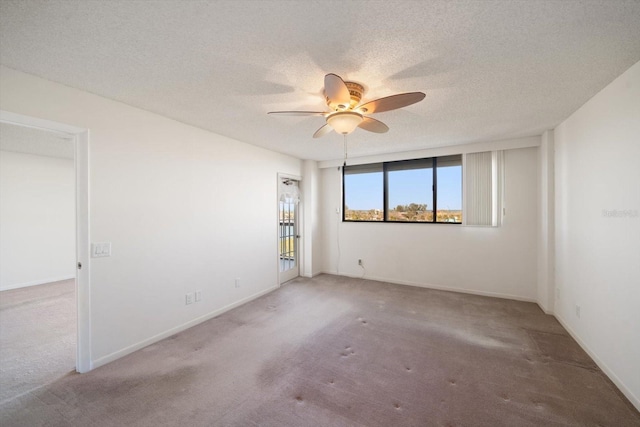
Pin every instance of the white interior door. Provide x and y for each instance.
(288, 237)
(81, 155)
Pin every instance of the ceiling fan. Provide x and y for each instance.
(343, 98)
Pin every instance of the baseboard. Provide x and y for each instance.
(545, 307)
(36, 282)
(311, 276)
(635, 401)
(549, 312)
(144, 343)
(437, 287)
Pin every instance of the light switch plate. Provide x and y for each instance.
(100, 249)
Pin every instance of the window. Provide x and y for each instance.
(363, 192)
(449, 196)
(421, 190)
(410, 191)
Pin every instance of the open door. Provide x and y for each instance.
(80, 138)
(288, 237)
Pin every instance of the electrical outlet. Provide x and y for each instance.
(198, 296)
(578, 311)
(359, 262)
(188, 298)
(237, 282)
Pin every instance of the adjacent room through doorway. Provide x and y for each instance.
(38, 308)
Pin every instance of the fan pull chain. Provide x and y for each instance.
(345, 149)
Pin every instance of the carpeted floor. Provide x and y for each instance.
(37, 336)
(332, 351)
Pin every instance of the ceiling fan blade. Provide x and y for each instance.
(336, 91)
(391, 102)
(373, 125)
(298, 113)
(323, 131)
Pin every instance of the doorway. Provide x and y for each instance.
(78, 255)
(288, 226)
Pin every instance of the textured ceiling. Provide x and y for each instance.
(35, 141)
(490, 69)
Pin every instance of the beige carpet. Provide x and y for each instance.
(332, 351)
(37, 336)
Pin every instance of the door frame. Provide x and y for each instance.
(80, 138)
(297, 178)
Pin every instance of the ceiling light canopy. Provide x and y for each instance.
(344, 122)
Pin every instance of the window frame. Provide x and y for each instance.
(385, 190)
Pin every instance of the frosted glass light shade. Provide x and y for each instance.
(344, 122)
(289, 191)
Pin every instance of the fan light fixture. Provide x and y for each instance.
(343, 99)
(344, 122)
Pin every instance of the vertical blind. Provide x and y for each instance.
(483, 188)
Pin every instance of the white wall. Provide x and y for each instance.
(490, 261)
(546, 242)
(598, 228)
(37, 219)
(311, 232)
(184, 209)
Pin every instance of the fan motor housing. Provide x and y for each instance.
(355, 92)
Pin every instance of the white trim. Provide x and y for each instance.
(546, 311)
(83, 249)
(80, 138)
(36, 123)
(158, 337)
(437, 287)
(635, 401)
(507, 144)
(36, 282)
